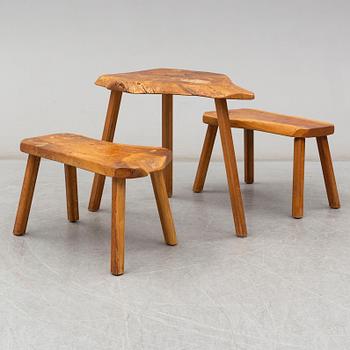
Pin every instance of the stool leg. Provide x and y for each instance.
(298, 177)
(164, 210)
(108, 135)
(248, 156)
(328, 173)
(71, 192)
(118, 226)
(26, 197)
(205, 158)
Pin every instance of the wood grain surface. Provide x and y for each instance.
(274, 123)
(105, 158)
(170, 81)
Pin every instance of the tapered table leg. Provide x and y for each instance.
(231, 167)
(167, 138)
(108, 135)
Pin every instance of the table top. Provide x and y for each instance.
(175, 82)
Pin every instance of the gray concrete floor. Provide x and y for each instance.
(286, 286)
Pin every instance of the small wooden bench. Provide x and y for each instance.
(296, 127)
(118, 161)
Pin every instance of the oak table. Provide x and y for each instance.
(169, 82)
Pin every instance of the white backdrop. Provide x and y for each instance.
(293, 54)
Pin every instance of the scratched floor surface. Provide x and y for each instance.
(286, 286)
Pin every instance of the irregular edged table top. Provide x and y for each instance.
(105, 158)
(274, 123)
(175, 82)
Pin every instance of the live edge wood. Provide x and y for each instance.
(274, 123)
(108, 135)
(105, 158)
(168, 81)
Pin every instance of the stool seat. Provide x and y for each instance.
(274, 123)
(101, 157)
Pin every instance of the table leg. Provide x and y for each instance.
(108, 135)
(167, 138)
(231, 167)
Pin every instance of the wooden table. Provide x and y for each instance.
(169, 82)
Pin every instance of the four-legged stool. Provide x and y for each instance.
(299, 128)
(120, 162)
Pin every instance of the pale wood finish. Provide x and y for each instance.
(248, 156)
(328, 173)
(167, 138)
(108, 135)
(26, 197)
(118, 226)
(231, 167)
(71, 193)
(273, 123)
(205, 158)
(298, 178)
(105, 158)
(164, 210)
(168, 81)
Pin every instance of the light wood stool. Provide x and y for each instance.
(297, 127)
(120, 162)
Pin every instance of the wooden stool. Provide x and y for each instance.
(299, 128)
(118, 161)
